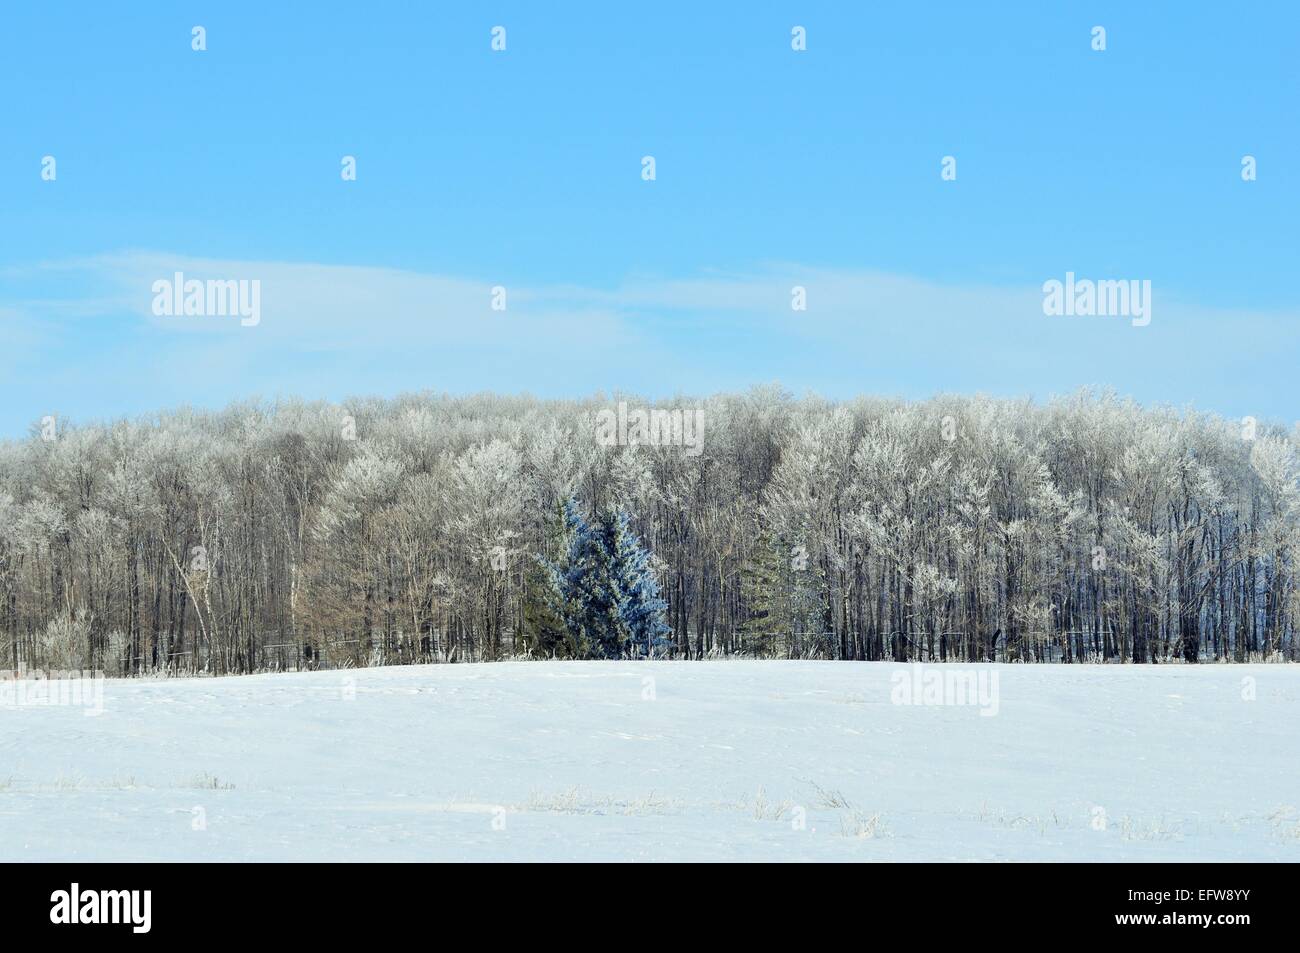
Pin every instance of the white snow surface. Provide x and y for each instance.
(659, 761)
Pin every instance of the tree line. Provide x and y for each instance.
(435, 528)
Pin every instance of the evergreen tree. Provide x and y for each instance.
(643, 609)
(609, 597)
(764, 591)
(782, 592)
(545, 633)
(588, 589)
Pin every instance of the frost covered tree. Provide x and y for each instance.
(292, 534)
(642, 610)
(545, 633)
(608, 595)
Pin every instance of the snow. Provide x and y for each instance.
(662, 761)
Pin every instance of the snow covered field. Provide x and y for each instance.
(662, 761)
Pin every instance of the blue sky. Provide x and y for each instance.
(523, 169)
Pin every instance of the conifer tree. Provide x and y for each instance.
(544, 629)
(761, 587)
(643, 609)
(609, 597)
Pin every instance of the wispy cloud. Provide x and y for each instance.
(90, 342)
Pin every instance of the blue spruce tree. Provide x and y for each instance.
(643, 609)
(609, 597)
(589, 589)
